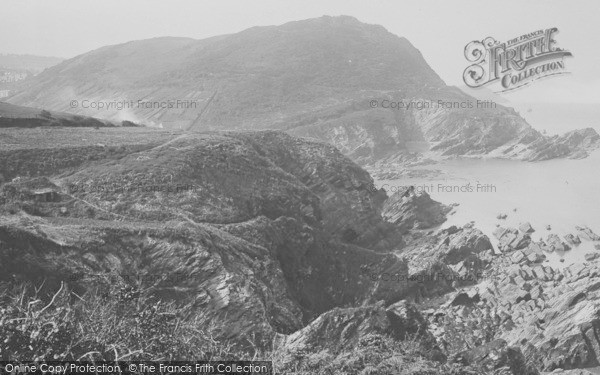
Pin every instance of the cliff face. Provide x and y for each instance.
(272, 242)
(260, 232)
(330, 78)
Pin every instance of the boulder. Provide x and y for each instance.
(557, 324)
(572, 239)
(554, 242)
(536, 257)
(521, 241)
(406, 320)
(571, 334)
(587, 233)
(494, 356)
(409, 209)
(508, 237)
(526, 228)
(342, 333)
(517, 257)
(592, 256)
(452, 257)
(339, 329)
(499, 231)
(535, 247)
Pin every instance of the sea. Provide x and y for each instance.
(554, 196)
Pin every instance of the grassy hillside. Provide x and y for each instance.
(27, 117)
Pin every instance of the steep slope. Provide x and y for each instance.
(254, 240)
(244, 226)
(331, 78)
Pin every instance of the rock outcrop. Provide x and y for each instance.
(414, 210)
(275, 240)
(261, 231)
(372, 338)
(447, 259)
(588, 234)
(496, 356)
(550, 314)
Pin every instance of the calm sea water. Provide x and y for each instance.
(559, 193)
(557, 118)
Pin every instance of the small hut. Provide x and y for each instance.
(45, 195)
(39, 189)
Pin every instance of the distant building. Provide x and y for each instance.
(4, 93)
(38, 189)
(45, 195)
(12, 76)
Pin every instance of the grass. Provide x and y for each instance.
(122, 322)
(44, 138)
(44, 152)
(112, 322)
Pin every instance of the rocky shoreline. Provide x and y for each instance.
(551, 314)
(284, 247)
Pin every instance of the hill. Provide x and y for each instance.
(253, 250)
(32, 63)
(27, 117)
(331, 78)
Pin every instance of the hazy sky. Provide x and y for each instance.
(439, 29)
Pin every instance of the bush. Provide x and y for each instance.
(112, 322)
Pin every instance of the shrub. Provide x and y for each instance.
(111, 322)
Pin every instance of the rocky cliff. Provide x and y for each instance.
(259, 232)
(248, 240)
